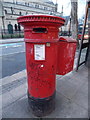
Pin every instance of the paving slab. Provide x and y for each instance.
(7, 99)
(22, 90)
(20, 74)
(7, 80)
(67, 89)
(13, 84)
(19, 109)
(81, 99)
(66, 108)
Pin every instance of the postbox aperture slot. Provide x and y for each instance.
(40, 30)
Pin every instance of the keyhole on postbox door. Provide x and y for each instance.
(39, 30)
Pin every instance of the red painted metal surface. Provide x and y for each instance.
(51, 23)
(41, 30)
(66, 54)
(41, 74)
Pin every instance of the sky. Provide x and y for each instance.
(67, 7)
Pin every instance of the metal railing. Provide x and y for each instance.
(65, 33)
(4, 34)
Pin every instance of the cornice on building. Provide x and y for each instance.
(16, 10)
(23, 3)
(30, 8)
(20, 5)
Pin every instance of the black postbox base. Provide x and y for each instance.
(41, 107)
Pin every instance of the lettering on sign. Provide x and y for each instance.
(39, 52)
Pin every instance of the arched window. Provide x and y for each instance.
(20, 13)
(26, 13)
(45, 8)
(15, 26)
(5, 11)
(11, 10)
(36, 6)
(25, 3)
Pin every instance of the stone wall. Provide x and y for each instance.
(13, 9)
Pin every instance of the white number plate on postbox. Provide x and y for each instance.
(39, 52)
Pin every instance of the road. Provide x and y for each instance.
(12, 58)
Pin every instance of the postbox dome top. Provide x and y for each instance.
(41, 19)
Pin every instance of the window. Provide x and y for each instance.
(53, 9)
(36, 6)
(11, 10)
(26, 13)
(45, 8)
(5, 11)
(25, 3)
(20, 13)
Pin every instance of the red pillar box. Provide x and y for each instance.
(41, 37)
(66, 54)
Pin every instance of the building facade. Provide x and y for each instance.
(12, 9)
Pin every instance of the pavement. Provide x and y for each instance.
(14, 40)
(71, 95)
